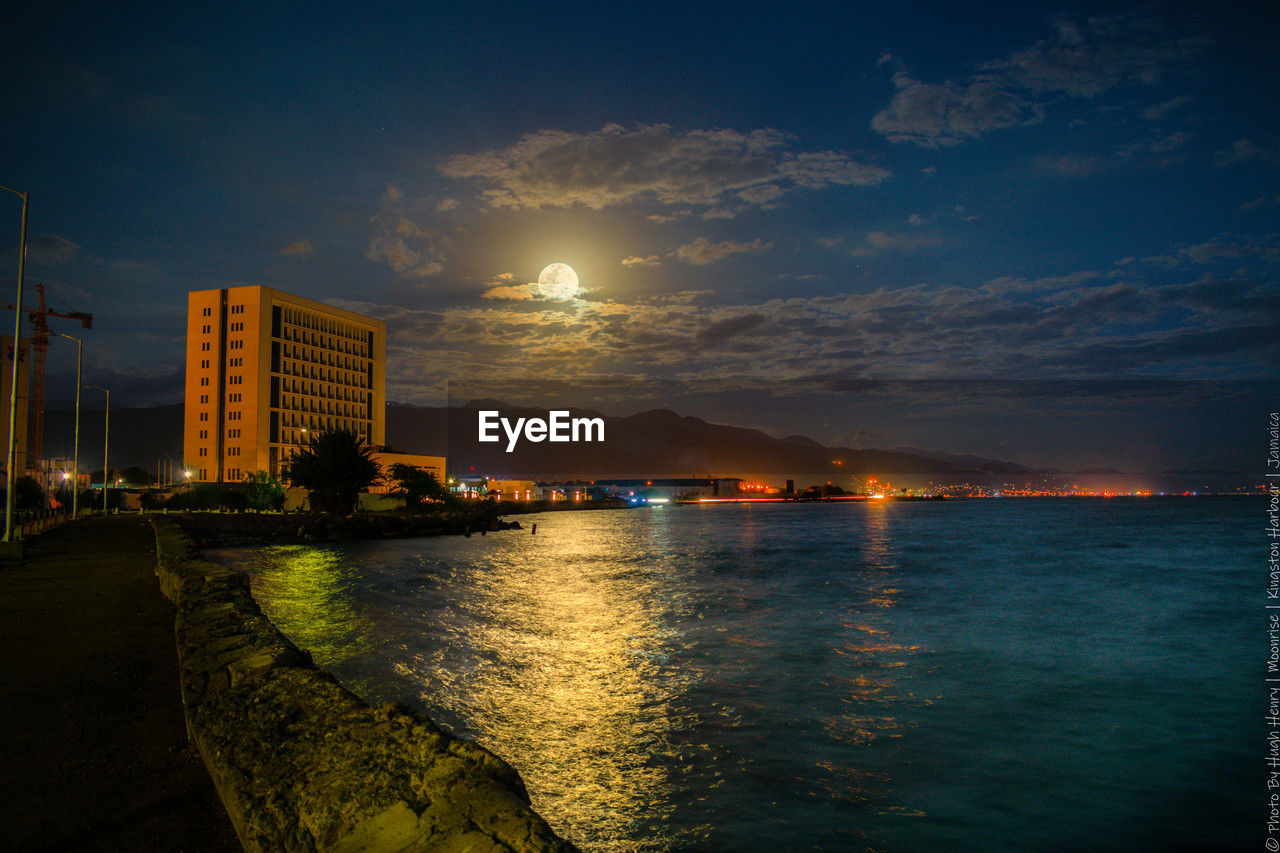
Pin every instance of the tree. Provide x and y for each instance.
(27, 494)
(262, 491)
(334, 467)
(417, 485)
(194, 498)
(136, 476)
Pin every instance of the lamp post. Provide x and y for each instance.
(13, 388)
(75, 453)
(106, 437)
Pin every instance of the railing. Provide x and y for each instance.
(36, 521)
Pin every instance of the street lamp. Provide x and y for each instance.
(106, 437)
(75, 458)
(13, 388)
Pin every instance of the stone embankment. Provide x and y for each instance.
(300, 762)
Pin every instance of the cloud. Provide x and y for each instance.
(134, 385)
(652, 163)
(1082, 324)
(762, 194)
(395, 253)
(879, 241)
(510, 291)
(720, 331)
(1233, 248)
(935, 115)
(1157, 145)
(410, 249)
(1260, 201)
(1244, 151)
(646, 261)
(298, 247)
(699, 252)
(501, 287)
(1157, 112)
(702, 251)
(1082, 60)
(51, 250)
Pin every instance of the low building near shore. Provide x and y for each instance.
(387, 457)
(512, 490)
(673, 488)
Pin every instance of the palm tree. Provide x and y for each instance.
(334, 467)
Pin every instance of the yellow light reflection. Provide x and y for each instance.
(303, 590)
(569, 683)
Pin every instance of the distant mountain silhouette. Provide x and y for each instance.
(655, 443)
(139, 437)
(658, 443)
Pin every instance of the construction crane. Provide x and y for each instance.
(39, 346)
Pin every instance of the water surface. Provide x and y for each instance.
(985, 675)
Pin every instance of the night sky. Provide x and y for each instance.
(754, 195)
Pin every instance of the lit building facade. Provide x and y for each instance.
(266, 369)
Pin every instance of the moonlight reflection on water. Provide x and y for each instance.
(893, 676)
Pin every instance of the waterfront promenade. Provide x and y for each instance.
(92, 736)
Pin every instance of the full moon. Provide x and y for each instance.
(558, 281)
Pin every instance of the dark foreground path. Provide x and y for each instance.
(93, 747)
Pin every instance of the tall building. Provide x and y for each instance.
(265, 369)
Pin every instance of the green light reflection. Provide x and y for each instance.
(306, 591)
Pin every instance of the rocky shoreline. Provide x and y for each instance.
(301, 763)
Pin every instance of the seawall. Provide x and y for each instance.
(303, 764)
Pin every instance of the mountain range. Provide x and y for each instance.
(655, 443)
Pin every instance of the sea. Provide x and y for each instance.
(996, 674)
